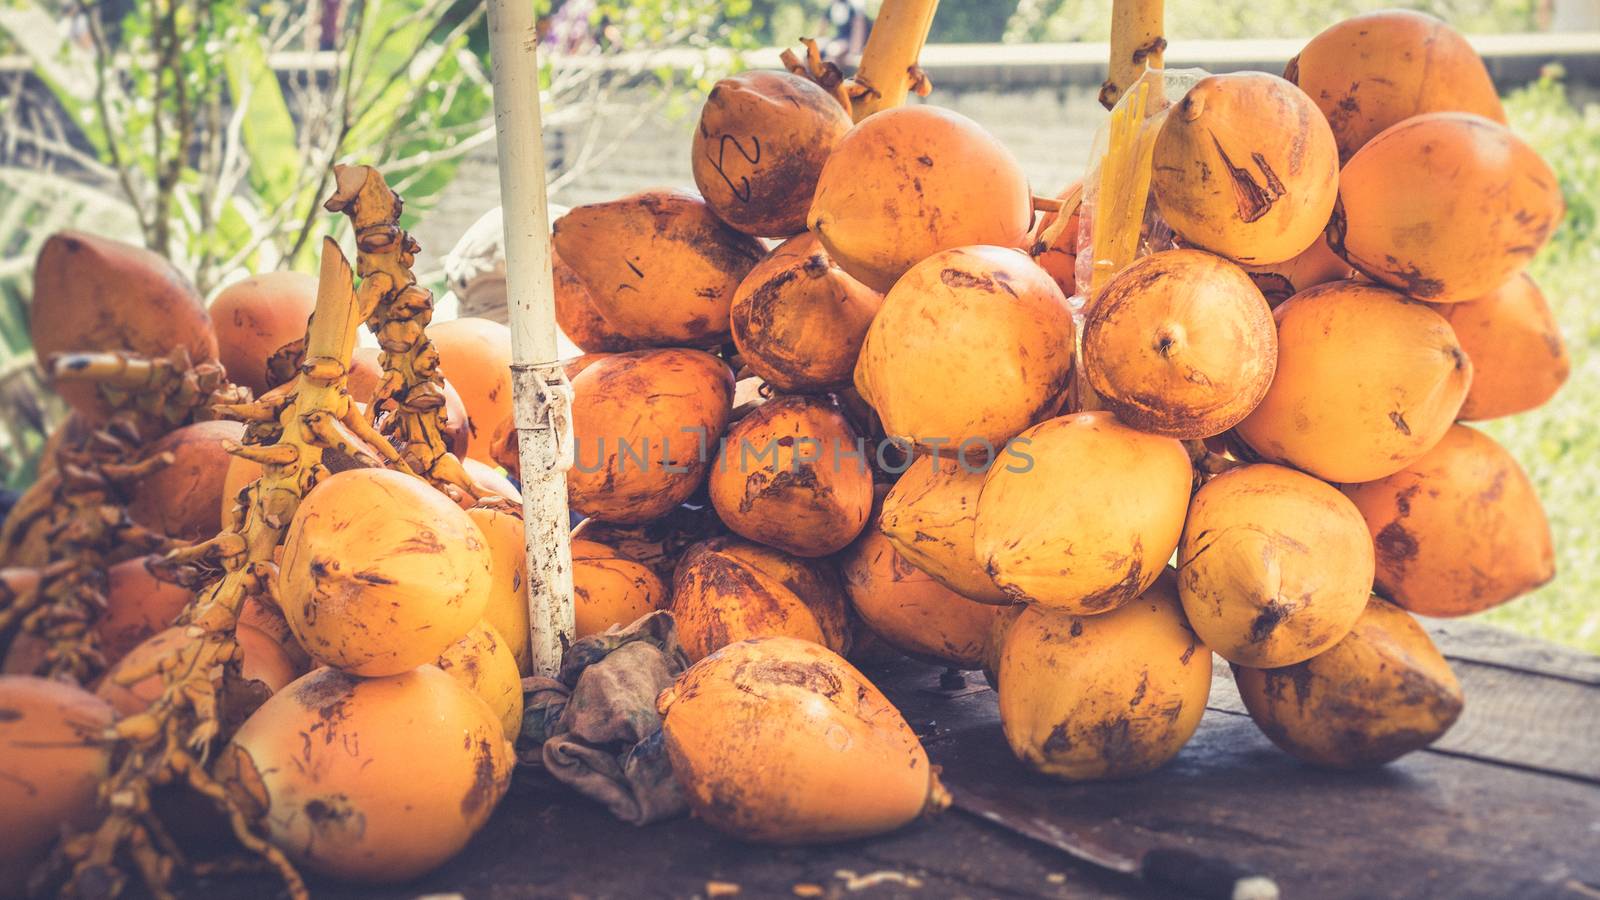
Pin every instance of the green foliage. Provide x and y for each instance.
(971, 21)
(1558, 444)
(222, 159)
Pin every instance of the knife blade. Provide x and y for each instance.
(1173, 868)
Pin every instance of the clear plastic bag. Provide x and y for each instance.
(1094, 260)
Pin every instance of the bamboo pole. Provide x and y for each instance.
(542, 393)
(1138, 42)
(888, 68)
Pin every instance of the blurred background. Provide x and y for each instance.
(207, 130)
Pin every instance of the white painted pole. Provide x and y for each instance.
(542, 394)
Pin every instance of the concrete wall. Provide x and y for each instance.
(1049, 130)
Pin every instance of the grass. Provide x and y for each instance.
(1558, 443)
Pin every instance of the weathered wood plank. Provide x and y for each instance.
(1544, 723)
(1427, 826)
(1513, 717)
(1430, 825)
(1477, 642)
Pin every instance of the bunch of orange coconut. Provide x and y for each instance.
(839, 403)
(388, 668)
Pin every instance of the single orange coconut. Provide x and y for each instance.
(1459, 530)
(1367, 381)
(760, 146)
(908, 182)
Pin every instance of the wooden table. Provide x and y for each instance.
(1506, 805)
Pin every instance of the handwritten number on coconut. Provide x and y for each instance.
(740, 194)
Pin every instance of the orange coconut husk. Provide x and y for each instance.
(910, 610)
(817, 582)
(1459, 530)
(483, 662)
(645, 424)
(1367, 382)
(92, 293)
(1383, 691)
(658, 543)
(475, 355)
(1086, 517)
(799, 320)
(1519, 359)
(138, 606)
(609, 589)
(577, 316)
(366, 371)
(971, 347)
(1053, 243)
(420, 762)
(1246, 167)
(793, 475)
(54, 764)
(908, 182)
(1444, 206)
(929, 517)
(760, 146)
(660, 267)
(1086, 698)
(185, 499)
(1181, 343)
(506, 609)
(1373, 70)
(821, 754)
(270, 621)
(1317, 265)
(488, 480)
(256, 317)
(1274, 567)
(727, 590)
(264, 662)
(381, 572)
(997, 637)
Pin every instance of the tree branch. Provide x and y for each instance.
(102, 56)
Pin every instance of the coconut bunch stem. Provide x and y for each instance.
(203, 692)
(159, 393)
(888, 71)
(84, 514)
(1138, 43)
(86, 520)
(408, 407)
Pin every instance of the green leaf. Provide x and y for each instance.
(65, 68)
(268, 129)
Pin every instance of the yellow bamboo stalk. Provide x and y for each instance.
(888, 69)
(1138, 42)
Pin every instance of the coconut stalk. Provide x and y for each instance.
(294, 433)
(202, 688)
(82, 507)
(543, 395)
(889, 70)
(1138, 42)
(408, 406)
